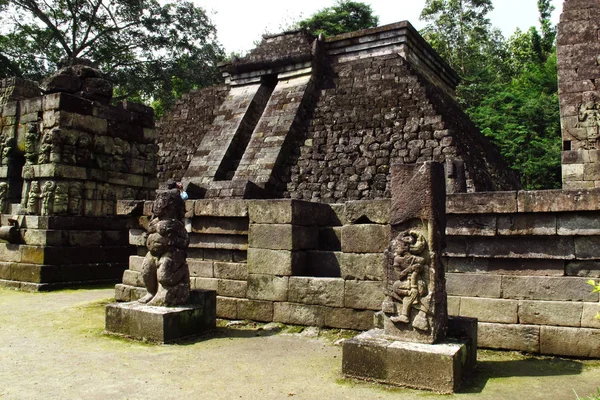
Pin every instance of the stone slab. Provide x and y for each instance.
(509, 336)
(163, 324)
(436, 367)
(573, 342)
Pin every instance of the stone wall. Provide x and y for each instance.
(578, 53)
(183, 127)
(377, 111)
(517, 261)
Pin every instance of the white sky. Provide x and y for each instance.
(241, 22)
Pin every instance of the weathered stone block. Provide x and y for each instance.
(276, 262)
(453, 305)
(38, 237)
(227, 307)
(122, 293)
(547, 288)
(364, 295)
(85, 238)
(578, 223)
(587, 247)
(368, 211)
(490, 310)
(558, 200)
(235, 271)
(365, 238)
(323, 264)
(204, 283)
(527, 224)
(201, 269)
(221, 208)
(282, 237)
(573, 342)
(255, 310)
(481, 203)
(509, 337)
(366, 266)
(348, 318)
(230, 288)
(267, 287)
(320, 291)
(561, 313)
(588, 317)
(474, 285)
(163, 324)
(299, 314)
(220, 225)
(288, 212)
(371, 356)
(10, 252)
(480, 225)
(547, 247)
(137, 237)
(132, 278)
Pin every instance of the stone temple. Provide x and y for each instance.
(289, 164)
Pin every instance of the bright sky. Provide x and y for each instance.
(241, 22)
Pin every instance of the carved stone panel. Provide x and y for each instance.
(414, 284)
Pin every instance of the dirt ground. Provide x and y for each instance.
(52, 346)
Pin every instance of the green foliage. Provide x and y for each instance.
(151, 51)
(509, 87)
(344, 16)
(592, 397)
(595, 289)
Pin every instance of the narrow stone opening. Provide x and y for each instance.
(242, 136)
(567, 145)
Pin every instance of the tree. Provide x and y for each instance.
(344, 16)
(150, 51)
(459, 30)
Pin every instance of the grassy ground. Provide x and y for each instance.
(53, 346)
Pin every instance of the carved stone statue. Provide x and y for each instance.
(3, 197)
(48, 197)
(61, 198)
(84, 144)
(589, 118)
(107, 195)
(409, 287)
(164, 269)
(33, 198)
(47, 151)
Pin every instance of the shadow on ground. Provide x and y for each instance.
(528, 366)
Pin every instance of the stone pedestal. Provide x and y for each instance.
(163, 324)
(374, 356)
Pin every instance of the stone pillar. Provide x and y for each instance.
(578, 51)
(411, 350)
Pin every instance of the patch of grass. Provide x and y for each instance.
(591, 397)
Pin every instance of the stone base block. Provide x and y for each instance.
(437, 367)
(163, 324)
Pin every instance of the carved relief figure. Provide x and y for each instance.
(3, 197)
(83, 152)
(75, 198)
(69, 139)
(31, 140)
(61, 198)
(33, 198)
(409, 287)
(107, 195)
(164, 269)
(8, 146)
(48, 197)
(46, 147)
(589, 118)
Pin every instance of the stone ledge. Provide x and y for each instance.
(436, 367)
(163, 324)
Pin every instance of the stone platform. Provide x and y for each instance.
(163, 324)
(437, 367)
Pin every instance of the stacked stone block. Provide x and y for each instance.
(519, 262)
(578, 53)
(64, 251)
(15, 89)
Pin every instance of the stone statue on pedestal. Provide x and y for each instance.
(164, 269)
